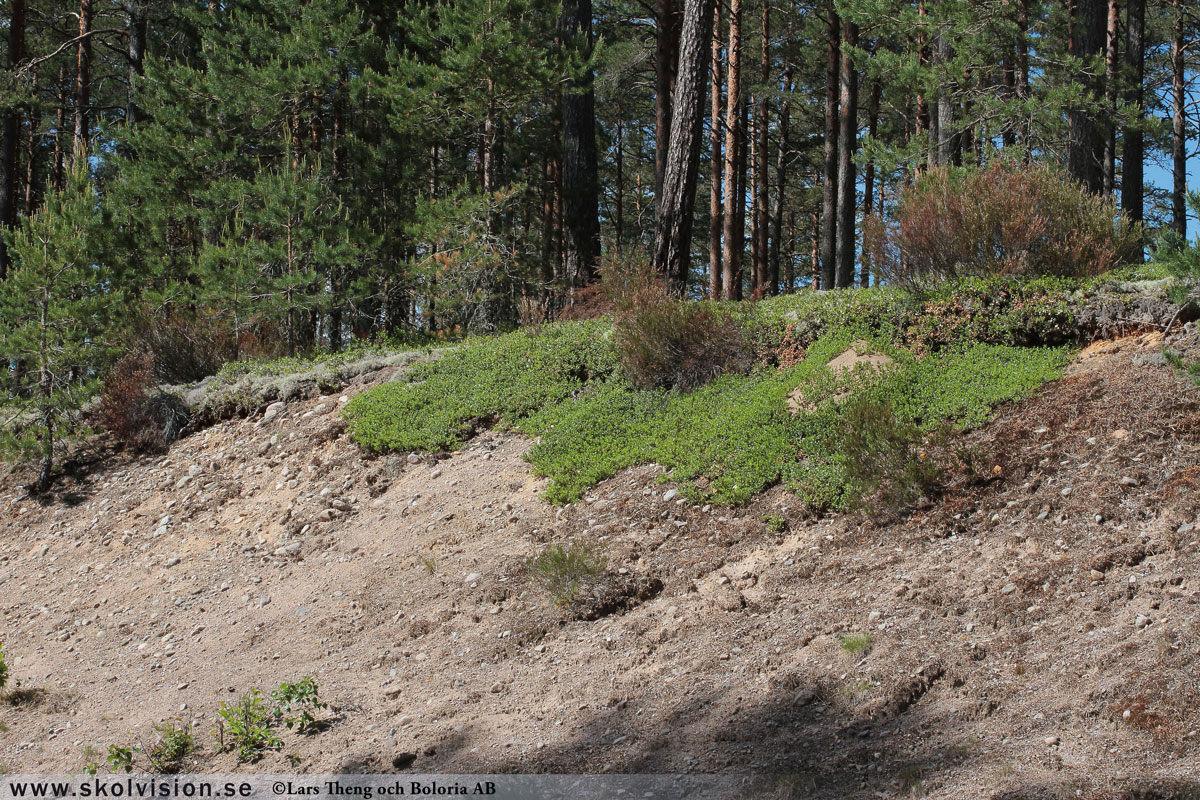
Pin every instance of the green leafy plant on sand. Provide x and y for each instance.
(562, 569)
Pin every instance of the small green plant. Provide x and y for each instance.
(855, 643)
(174, 742)
(296, 702)
(245, 727)
(886, 466)
(561, 569)
(91, 768)
(3, 670)
(775, 523)
(120, 759)
(429, 563)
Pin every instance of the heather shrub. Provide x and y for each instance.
(1025, 221)
(135, 411)
(662, 342)
(186, 347)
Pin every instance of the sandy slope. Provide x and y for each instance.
(1032, 635)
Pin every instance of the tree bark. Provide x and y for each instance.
(1132, 180)
(665, 64)
(1086, 139)
(137, 56)
(869, 173)
(714, 196)
(732, 254)
(1022, 70)
(672, 245)
(829, 193)
(1109, 170)
(847, 147)
(11, 134)
(781, 167)
(946, 140)
(581, 181)
(83, 79)
(1178, 121)
(762, 190)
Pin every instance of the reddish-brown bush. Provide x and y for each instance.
(1026, 221)
(663, 342)
(135, 411)
(186, 347)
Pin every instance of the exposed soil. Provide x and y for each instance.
(1032, 632)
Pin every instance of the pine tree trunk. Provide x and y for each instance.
(581, 181)
(1178, 121)
(765, 286)
(60, 126)
(781, 165)
(869, 173)
(829, 194)
(1086, 138)
(1022, 70)
(619, 152)
(672, 246)
(730, 283)
(847, 147)
(665, 58)
(714, 194)
(743, 173)
(11, 134)
(946, 140)
(137, 54)
(1132, 180)
(83, 78)
(1109, 172)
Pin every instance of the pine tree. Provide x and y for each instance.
(57, 304)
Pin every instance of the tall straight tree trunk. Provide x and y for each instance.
(665, 58)
(815, 255)
(714, 195)
(1008, 85)
(733, 203)
(847, 147)
(1132, 180)
(1178, 129)
(672, 245)
(1109, 171)
(137, 56)
(1022, 70)
(548, 249)
(581, 180)
(829, 172)
(83, 78)
(743, 173)
(1086, 138)
(11, 134)
(619, 153)
(869, 172)
(762, 189)
(781, 166)
(60, 127)
(946, 140)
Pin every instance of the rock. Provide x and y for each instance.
(1097, 575)
(289, 549)
(670, 495)
(1066, 492)
(172, 561)
(1126, 480)
(321, 408)
(497, 688)
(1141, 621)
(413, 458)
(404, 760)
(1008, 588)
(339, 504)
(473, 577)
(328, 514)
(874, 616)
(272, 411)
(1050, 741)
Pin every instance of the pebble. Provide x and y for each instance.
(413, 458)
(1051, 741)
(670, 495)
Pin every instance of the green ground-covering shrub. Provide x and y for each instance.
(725, 441)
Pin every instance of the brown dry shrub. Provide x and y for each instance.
(183, 346)
(135, 411)
(667, 343)
(1020, 220)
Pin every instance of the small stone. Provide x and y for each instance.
(1141, 621)
(1050, 741)
(497, 688)
(874, 616)
(172, 561)
(1066, 492)
(670, 495)
(272, 411)
(1126, 480)
(413, 458)
(1008, 588)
